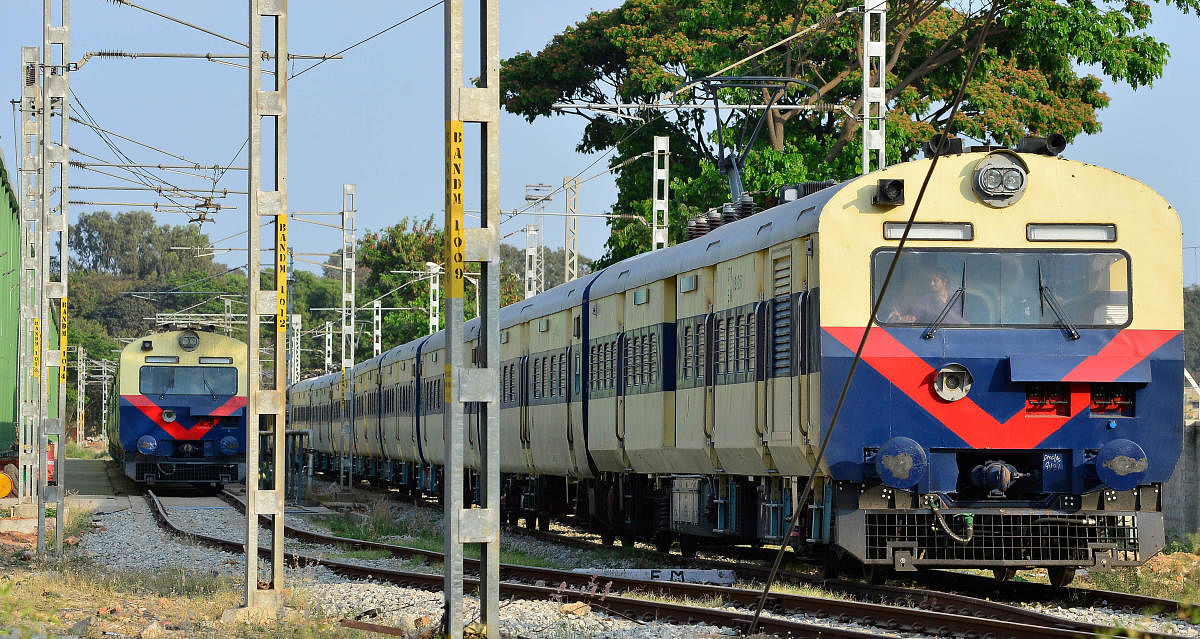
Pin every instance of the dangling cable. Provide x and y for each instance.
(812, 477)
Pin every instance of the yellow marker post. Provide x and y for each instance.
(62, 340)
(37, 348)
(455, 263)
(281, 287)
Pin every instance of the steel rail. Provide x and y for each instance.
(935, 599)
(937, 612)
(623, 606)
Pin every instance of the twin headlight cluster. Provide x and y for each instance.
(148, 445)
(1000, 178)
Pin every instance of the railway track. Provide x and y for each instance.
(976, 585)
(934, 612)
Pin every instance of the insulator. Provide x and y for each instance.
(746, 206)
(701, 224)
(691, 229)
(729, 213)
(30, 75)
(714, 219)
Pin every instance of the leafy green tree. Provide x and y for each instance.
(1191, 329)
(645, 50)
(134, 245)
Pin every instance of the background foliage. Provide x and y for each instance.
(124, 272)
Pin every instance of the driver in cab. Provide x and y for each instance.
(931, 305)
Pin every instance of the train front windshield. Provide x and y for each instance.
(1004, 288)
(188, 380)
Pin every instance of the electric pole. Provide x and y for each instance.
(874, 86)
(267, 188)
(571, 229)
(661, 185)
(478, 380)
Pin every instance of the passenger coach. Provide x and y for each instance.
(183, 408)
(1016, 405)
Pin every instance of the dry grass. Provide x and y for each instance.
(711, 601)
(77, 597)
(806, 590)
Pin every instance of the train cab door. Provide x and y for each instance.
(570, 395)
(622, 364)
(779, 317)
(810, 344)
(710, 387)
(523, 423)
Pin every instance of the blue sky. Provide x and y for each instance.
(375, 118)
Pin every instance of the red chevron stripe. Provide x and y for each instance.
(175, 429)
(914, 377)
(1126, 349)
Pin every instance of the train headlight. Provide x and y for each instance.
(168, 415)
(189, 340)
(1000, 178)
(229, 445)
(952, 382)
(147, 444)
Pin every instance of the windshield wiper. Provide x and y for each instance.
(1050, 299)
(211, 393)
(958, 294)
(937, 323)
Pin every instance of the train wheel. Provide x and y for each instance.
(663, 541)
(531, 521)
(1004, 574)
(875, 574)
(833, 564)
(608, 537)
(544, 521)
(688, 545)
(1061, 576)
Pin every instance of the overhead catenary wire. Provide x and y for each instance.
(365, 40)
(824, 23)
(912, 216)
(127, 3)
(147, 177)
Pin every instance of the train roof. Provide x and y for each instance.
(772, 226)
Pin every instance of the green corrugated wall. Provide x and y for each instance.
(10, 273)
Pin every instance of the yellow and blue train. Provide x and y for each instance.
(183, 408)
(1017, 403)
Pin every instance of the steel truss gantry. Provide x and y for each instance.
(571, 229)
(477, 380)
(874, 87)
(661, 184)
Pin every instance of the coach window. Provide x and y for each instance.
(644, 347)
(653, 358)
(612, 364)
(720, 358)
(578, 374)
(562, 375)
(687, 352)
(1006, 288)
(187, 380)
